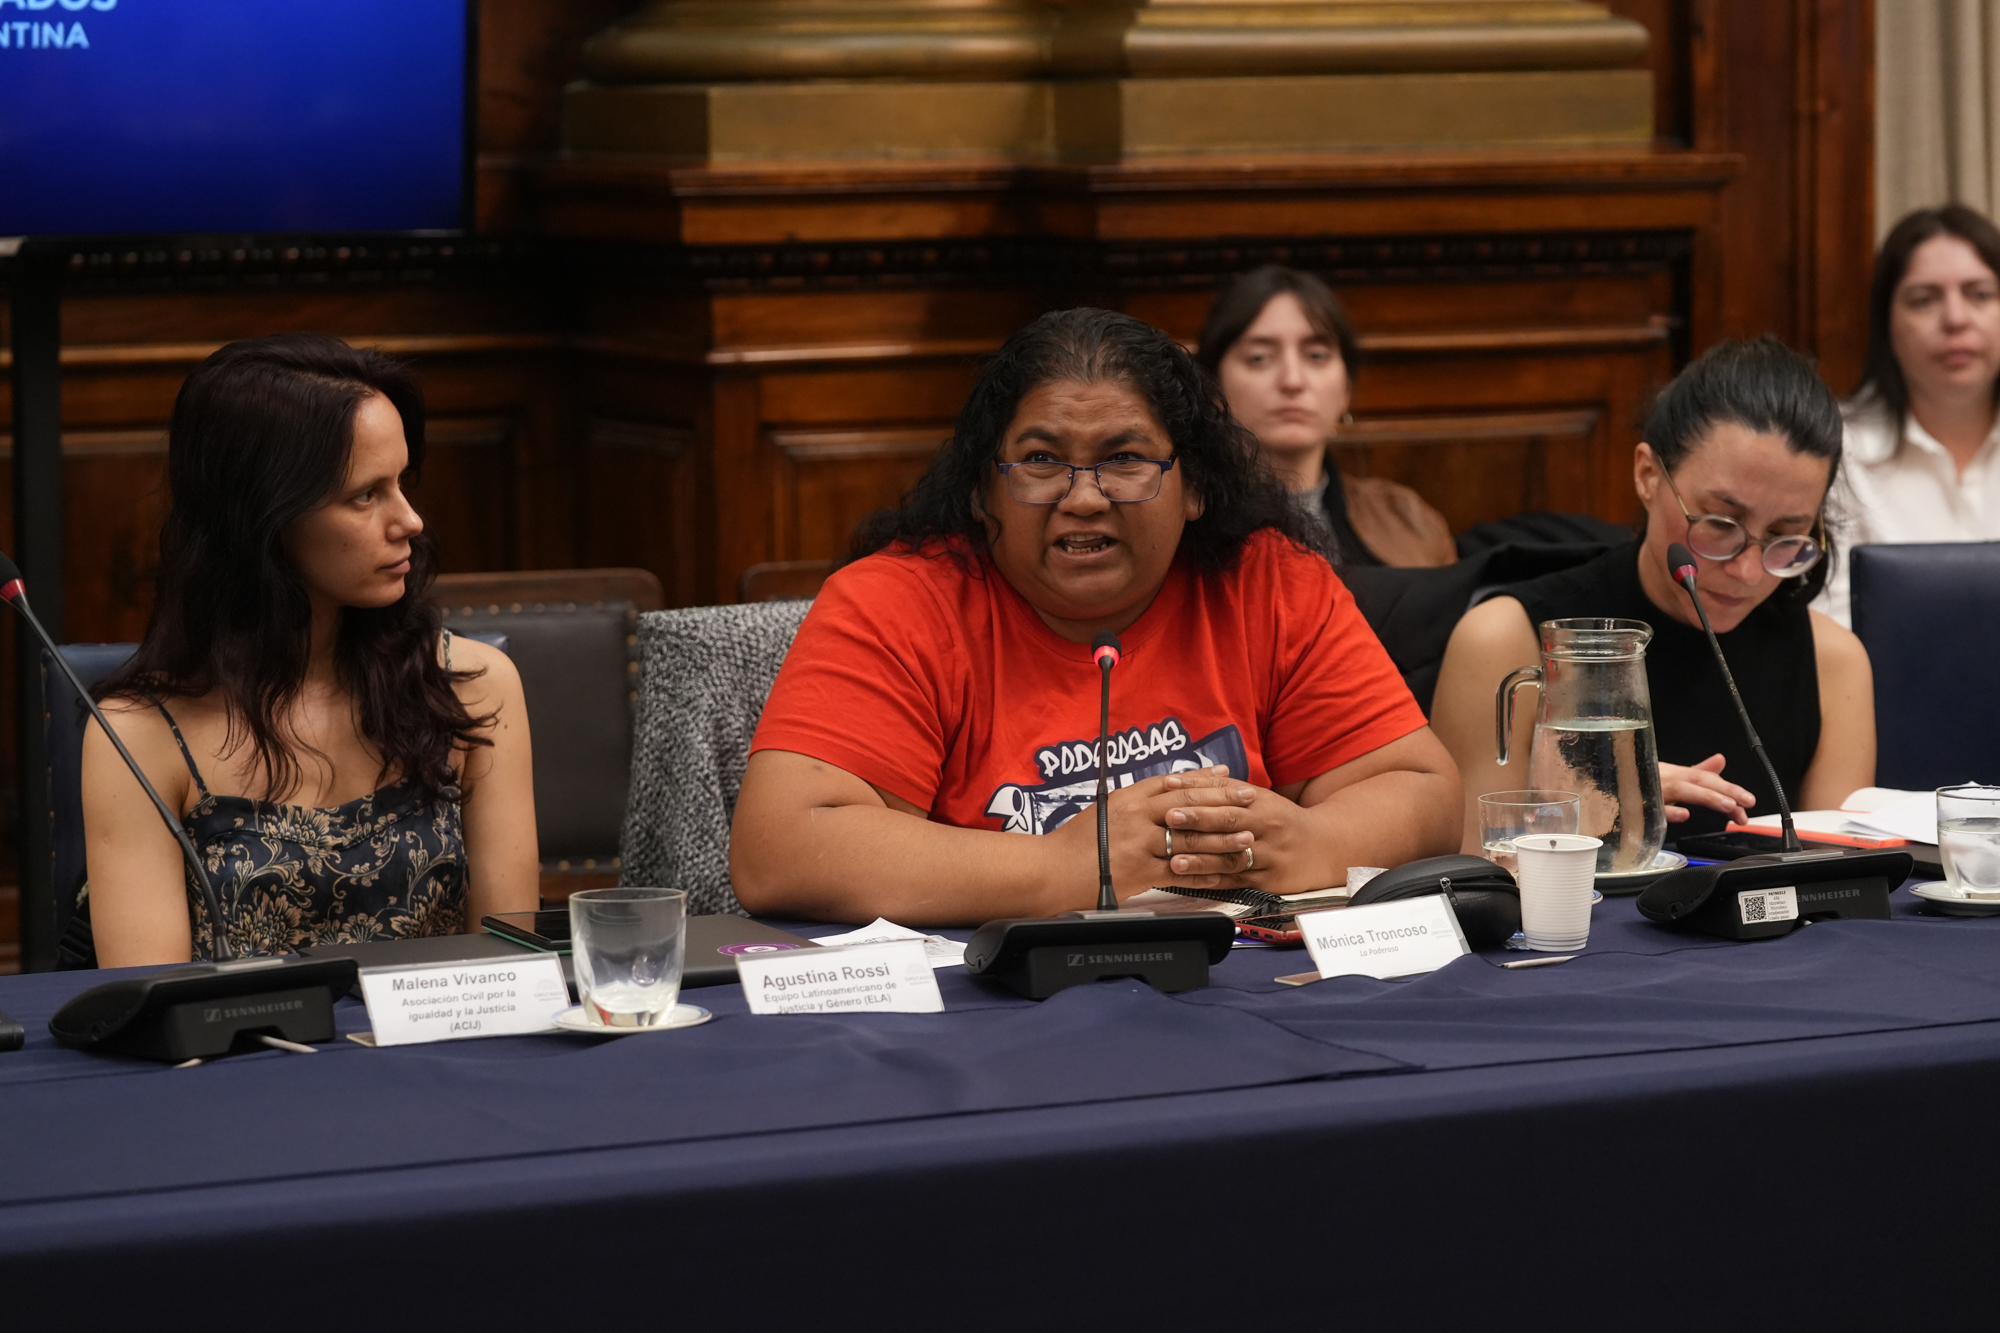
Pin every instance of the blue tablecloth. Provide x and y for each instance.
(1668, 1129)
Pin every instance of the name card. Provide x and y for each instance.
(892, 977)
(1395, 939)
(447, 1001)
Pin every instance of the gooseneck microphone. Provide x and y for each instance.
(1769, 894)
(1106, 650)
(15, 591)
(1681, 565)
(1038, 956)
(189, 1014)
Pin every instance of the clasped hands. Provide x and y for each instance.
(1226, 834)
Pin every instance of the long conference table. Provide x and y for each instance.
(1669, 1132)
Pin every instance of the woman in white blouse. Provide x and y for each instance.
(1922, 463)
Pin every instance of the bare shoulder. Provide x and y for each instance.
(1836, 646)
(144, 731)
(497, 681)
(1497, 625)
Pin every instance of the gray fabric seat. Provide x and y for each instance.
(704, 674)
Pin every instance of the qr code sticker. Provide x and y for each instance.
(1764, 905)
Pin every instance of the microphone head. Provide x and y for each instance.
(1680, 563)
(1105, 650)
(11, 585)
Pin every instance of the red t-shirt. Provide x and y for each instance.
(944, 686)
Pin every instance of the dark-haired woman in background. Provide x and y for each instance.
(1280, 344)
(347, 769)
(1923, 438)
(941, 697)
(1738, 454)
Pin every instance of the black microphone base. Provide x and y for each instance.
(1038, 957)
(209, 1010)
(1759, 897)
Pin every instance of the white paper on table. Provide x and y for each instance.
(1867, 800)
(1914, 817)
(940, 951)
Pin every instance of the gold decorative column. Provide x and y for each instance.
(1217, 76)
(720, 81)
(760, 80)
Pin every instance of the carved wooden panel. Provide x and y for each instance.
(827, 480)
(641, 503)
(1476, 467)
(466, 495)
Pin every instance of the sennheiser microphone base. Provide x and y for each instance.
(1761, 897)
(208, 1010)
(1037, 957)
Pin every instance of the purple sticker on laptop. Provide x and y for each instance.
(758, 946)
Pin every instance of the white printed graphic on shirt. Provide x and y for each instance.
(1069, 771)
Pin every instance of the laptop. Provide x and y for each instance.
(713, 943)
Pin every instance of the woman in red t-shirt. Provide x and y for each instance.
(941, 694)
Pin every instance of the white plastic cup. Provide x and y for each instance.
(1558, 874)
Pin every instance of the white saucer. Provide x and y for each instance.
(1662, 863)
(1953, 902)
(573, 1019)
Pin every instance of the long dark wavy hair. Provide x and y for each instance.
(1763, 386)
(261, 435)
(1224, 467)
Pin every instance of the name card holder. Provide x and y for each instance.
(892, 977)
(1383, 940)
(450, 1001)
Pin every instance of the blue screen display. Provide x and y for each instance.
(168, 116)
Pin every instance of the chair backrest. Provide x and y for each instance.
(572, 634)
(704, 674)
(783, 580)
(1929, 616)
(63, 720)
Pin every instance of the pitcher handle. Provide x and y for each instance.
(1503, 706)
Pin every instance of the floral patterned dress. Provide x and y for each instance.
(386, 866)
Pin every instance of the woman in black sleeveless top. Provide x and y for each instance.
(1739, 452)
(346, 770)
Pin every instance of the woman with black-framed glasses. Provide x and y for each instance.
(1738, 456)
(942, 698)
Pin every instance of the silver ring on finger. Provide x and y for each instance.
(1170, 844)
(1250, 863)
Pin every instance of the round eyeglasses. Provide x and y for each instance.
(1718, 538)
(1122, 480)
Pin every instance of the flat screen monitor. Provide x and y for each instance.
(177, 117)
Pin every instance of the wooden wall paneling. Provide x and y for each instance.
(1669, 23)
(645, 504)
(828, 480)
(528, 49)
(918, 387)
(1836, 122)
(743, 470)
(1483, 466)
(467, 495)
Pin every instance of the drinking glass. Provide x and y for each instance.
(628, 946)
(1968, 824)
(1507, 815)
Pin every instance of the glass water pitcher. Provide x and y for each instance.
(1594, 733)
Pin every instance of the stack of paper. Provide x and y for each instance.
(1873, 816)
(940, 951)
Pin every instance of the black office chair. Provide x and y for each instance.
(1929, 616)
(573, 636)
(62, 723)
